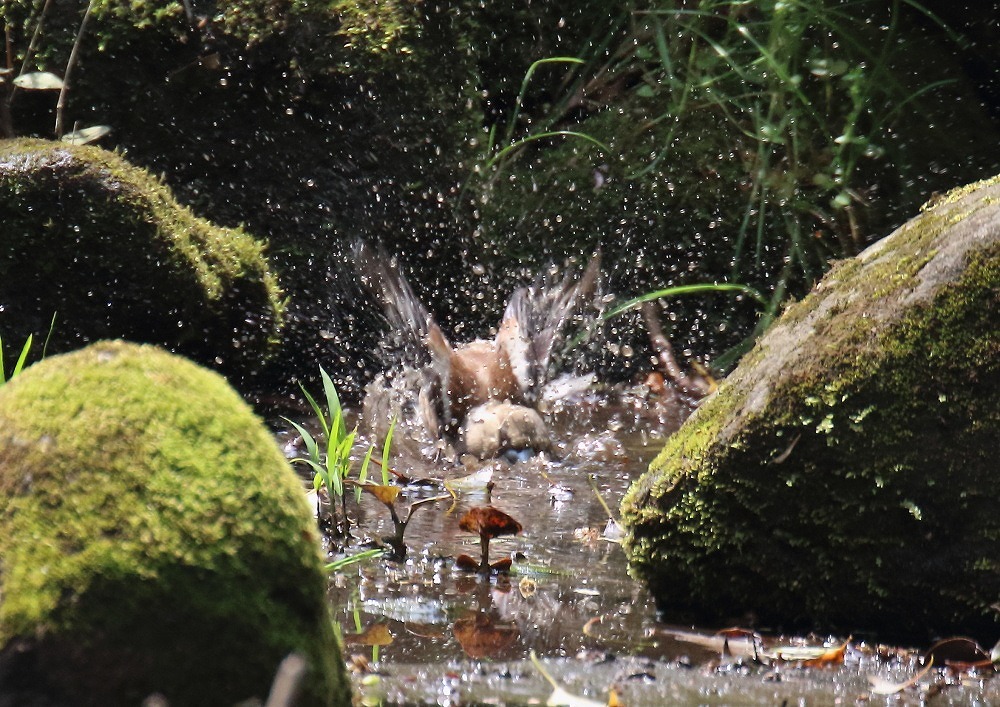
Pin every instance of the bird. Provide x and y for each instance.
(487, 390)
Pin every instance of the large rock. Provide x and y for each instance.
(844, 476)
(153, 539)
(104, 246)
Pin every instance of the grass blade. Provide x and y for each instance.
(333, 403)
(23, 357)
(685, 290)
(385, 451)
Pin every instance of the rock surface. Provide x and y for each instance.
(153, 540)
(844, 476)
(104, 246)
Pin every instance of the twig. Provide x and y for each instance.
(33, 44)
(692, 385)
(288, 679)
(61, 104)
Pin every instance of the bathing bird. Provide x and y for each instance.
(486, 390)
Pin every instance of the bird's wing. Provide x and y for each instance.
(542, 319)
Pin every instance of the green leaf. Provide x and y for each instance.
(332, 401)
(363, 474)
(543, 136)
(23, 357)
(316, 410)
(385, 451)
(684, 290)
(343, 562)
(307, 439)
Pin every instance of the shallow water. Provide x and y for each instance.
(420, 631)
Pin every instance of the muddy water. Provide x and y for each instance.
(420, 631)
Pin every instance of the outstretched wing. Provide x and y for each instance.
(412, 339)
(543, 319)
(412, 335)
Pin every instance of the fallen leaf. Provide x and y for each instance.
(476, 481)
(39, 81)
(881, 686)
(374, 635)
(481, 637)
(960, 653)
(385, 494)
(613, 531)
(809, 656)
(86, 135)
(738, 643)
(560, 697)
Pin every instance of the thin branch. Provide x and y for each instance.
(61, 104)
(692, 385)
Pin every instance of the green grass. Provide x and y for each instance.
(331, 462)
(22, 357)
(330, 456)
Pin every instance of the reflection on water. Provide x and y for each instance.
(565, 573)
(421, 631)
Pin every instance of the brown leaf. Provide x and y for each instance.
(385, 494)
(881, 686)
(481, 637)
(374, 635)
(832, 656)
(959, 653)
(490, 522)
(501, 566)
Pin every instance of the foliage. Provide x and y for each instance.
(23, 356)
(807, 92)
(331, 464)
(20, 359)
(497, 152)
(107, 245)
(749, 143)
(43, 80)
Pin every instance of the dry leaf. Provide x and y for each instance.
(881, 686)
(481, 637)
(385, 494)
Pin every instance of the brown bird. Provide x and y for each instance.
(514, 367)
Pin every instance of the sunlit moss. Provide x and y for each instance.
(103, 244)
(841, 477)
(153, 538)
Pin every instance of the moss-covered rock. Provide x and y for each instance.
(844, 476)
(153, 539)
(104, 246)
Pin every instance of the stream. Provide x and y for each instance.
(422, 632)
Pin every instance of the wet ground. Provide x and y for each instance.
(421, 631)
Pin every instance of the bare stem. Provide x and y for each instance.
(61, 104)
(33, 44)
(693, 385)
(484, 544)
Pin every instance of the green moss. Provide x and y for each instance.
(153, 537)
(105, 245)
(841, 476)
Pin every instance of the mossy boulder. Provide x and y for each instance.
(153, 539)
(103, 246)
(844, 476)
